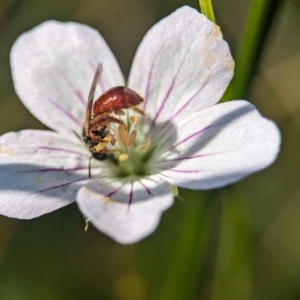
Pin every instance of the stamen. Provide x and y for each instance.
(111, 139)
(140, 111)
(99, 147)
(123, 157)
(123, 133)
(135, 120)
(131, 138)
(146, 146)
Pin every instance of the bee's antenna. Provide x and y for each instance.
(90, 163)
(88, 112)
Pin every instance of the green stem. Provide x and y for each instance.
(207, 9)
(187, 257)
(257, 26)
(233, 273)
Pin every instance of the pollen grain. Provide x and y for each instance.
(123, 157)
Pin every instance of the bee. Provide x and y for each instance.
(103, 111)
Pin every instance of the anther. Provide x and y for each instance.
(123, 157)
(146, 146)
(100, 146)
(123, 133)
(132, 137)
(111, 139)
(134, 120)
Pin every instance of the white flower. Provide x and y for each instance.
(181, 68)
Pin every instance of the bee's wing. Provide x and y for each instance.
(87, 119)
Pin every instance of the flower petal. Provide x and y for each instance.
(127, 212)
(53, 66)
(180, 68)
(40, 171)
(220, 145)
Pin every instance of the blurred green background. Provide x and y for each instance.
(239, 242)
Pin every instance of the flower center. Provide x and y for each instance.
(130, 150)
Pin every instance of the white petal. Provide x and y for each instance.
(220, 145)
(40, 171)
(127, 212)
(182, 65)
(53, 66)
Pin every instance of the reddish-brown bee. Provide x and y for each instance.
(99, 113)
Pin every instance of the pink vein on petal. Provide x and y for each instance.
(183, 171)
(195, 134)
(107, 183)
(62, 185)
(190, 157)
(151, 179)
(164, 175)
(146, 188)
(60, 150)
(63, 110)
(130, 197)
(54, 170)
(150, 79)
(164, 101)
(78, 94)
(115, 191)
(185, 105)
